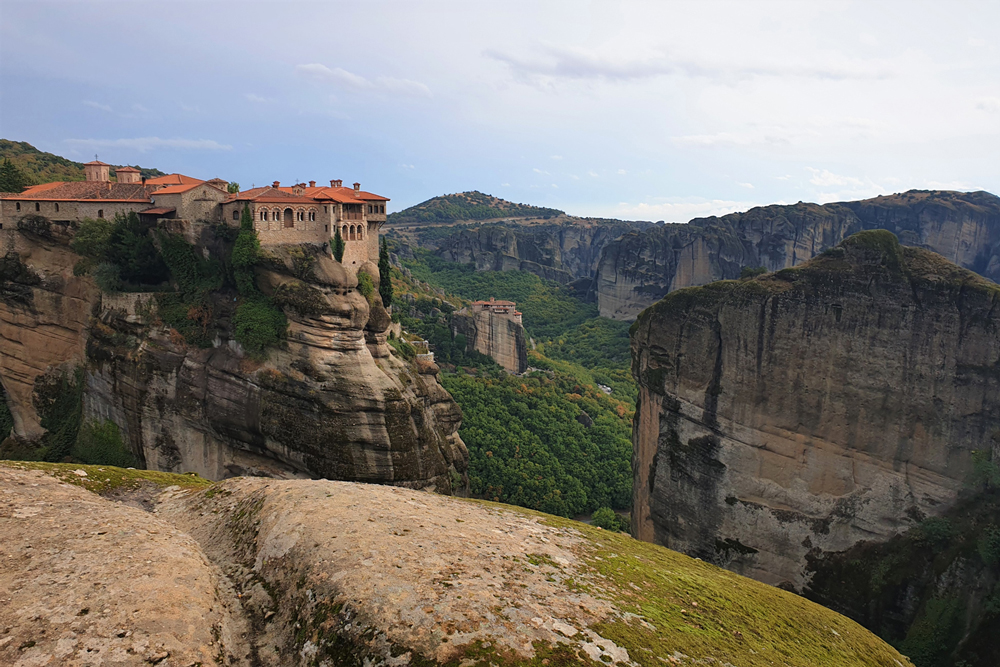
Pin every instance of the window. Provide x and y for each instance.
(236, 214)
(100, 213)
(326, 228)
(38, 207)
(18, 206)
(312, 216)
(324, 210)
(263, 215)
(383, 208)
(300, 216)
(57, 208)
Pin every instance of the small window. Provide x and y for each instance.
(300, 216)
(383, 208)
(324, 209)
(18, 206)
(100, 213)
(57, 208)
(1, 225)
(38, 207)
(312, 216)
(326, 228)
(236, 214)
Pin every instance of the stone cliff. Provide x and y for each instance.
(800, 413)
(562, 251)
(257, 572)
(496, 335)
(641, 267)
(333, 402)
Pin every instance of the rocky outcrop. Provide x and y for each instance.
(802, 412)
(565, 251)
(497, 335)
(331, 403)
(641, 267)
(301, 572)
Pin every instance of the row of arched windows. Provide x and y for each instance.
(38, 207)
(353, 232)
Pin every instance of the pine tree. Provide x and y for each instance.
(385, 275)
(338, 245)
(12, 179)
(245, 252)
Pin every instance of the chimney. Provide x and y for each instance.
(276, 184)
(357, 187)
(336, 183)
(312, 184)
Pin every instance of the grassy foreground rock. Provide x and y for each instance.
(336, 573)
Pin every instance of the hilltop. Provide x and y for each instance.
(266, 572)
(464, 206)
(42, 167)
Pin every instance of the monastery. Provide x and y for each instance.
(282, 215)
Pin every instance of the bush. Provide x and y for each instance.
(989, 545)
(259, 325)
(403, 349)
(748, 272)
(366, 286)
(91, 239)
(100, 443)
(108, 277)
(608, 519)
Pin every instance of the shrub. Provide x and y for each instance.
(366, 286)
(107, 276)
(91, 239)
(989, 545)
(748, 272)
(258, 324)
(403, 349)
(936, 531)
(100, 443)
(608, 519)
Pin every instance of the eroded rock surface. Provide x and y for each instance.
(643, 266)
(84, 581)
(804, 411)
(496, 335)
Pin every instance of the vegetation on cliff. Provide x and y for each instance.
(468, 206)
(41, 167)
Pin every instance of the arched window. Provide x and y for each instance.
(100, 213)
(263, 216)
(57, 208)
(343, 233)
(300, 216)
(289, 218)
(18, 206)
(236, 214)
(38, 207)
(361, 233)
(312, 216)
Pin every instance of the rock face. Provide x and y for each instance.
(561, 251)
(87, 581)
(332, 403)
(253, 571)
(641, 267)
(495, 335)
(802, 412)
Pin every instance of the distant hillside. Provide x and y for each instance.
(468, 206)
(42, 167)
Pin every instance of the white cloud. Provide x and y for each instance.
(505, 185)
(555, 157)
(407, 166)
(825, 179)
(594, 174)
(97, 105)
(622, 172)
(139, 108)
(783, 178)
(143, 144)
(342, 77)
(746, 185)
(976, 42)
(541, 171)
(951, 185)
(257, 98)
(990, 104)
(554, 185)
(562, 62)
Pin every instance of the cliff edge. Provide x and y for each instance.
(802, 412)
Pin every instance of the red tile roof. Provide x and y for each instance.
(271, 194)
(96, 163)
(172, 179)
(184, 187)
(84, 191)
(131, 169)
(162, 210)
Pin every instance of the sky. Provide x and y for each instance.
(647, 111)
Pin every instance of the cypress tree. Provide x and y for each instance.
(12, 179)
(338, 245)
(385, 275)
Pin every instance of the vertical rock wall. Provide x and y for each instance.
(495, 335)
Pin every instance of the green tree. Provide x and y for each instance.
(91, 239)
(131, 249)
(258, 323)
(245, 253)
(338, 245)
(12, 179)
(385, 275)
(233, 187)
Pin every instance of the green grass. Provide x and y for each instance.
(107, 479)
(705, 612)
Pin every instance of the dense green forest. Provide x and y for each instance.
(551, 440)
(41, 167)
(468, 206)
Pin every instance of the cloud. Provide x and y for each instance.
(559, 62)
(843, 188)
(257, 98)
(343, 78)
(746, 185)
(951, 185)
(407, 166)
(143, 144)
(540, 171)
(826, 179)
(97, 105)
(989, 104)
(139, 108)
(783, 178)
(555, 157)
(622, 172)
(505, 185)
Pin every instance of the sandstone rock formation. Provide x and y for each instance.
(332, 403)
(301, 572)
(496, 335)
(641, 267)
(804, 411)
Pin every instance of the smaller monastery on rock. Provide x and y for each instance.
(282, 215)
